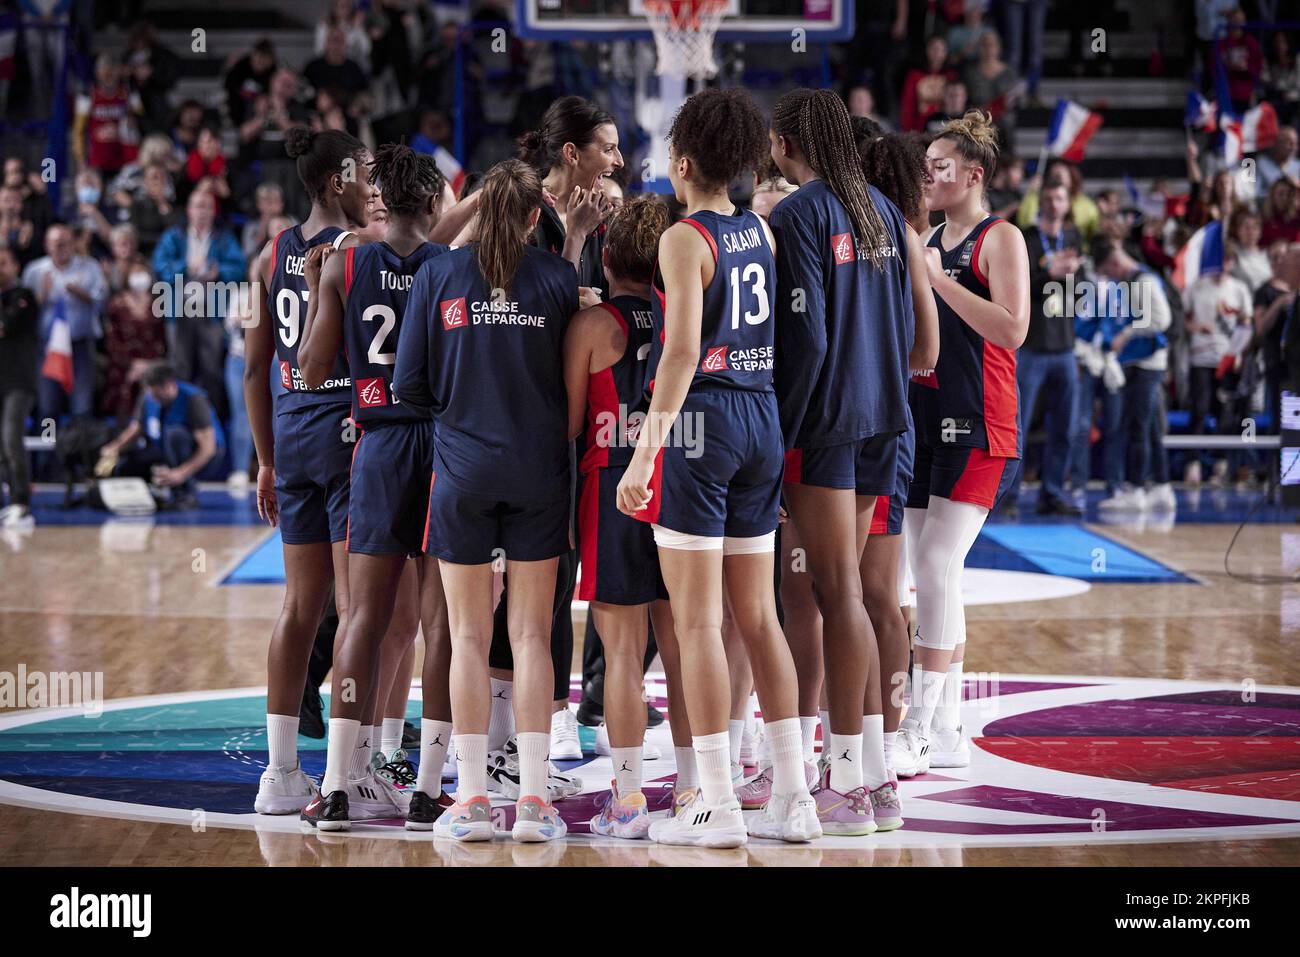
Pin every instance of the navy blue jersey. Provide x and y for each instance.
(615, 395)
(970, 399)
(844, 327)
(736, 327)
(288, 303)
(492, 373)
(377, 283)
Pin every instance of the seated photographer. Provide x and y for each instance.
(171, 438)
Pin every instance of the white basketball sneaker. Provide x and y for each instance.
(788, 817)
(699, 824)
(648, 751)
(373, 798)
(949, 748)
(284, 791)
(565, 745)
(910, 755)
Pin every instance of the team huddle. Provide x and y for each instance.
(751, 429)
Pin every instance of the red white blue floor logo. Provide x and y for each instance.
(1055, 760)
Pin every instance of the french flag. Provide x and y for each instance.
(1072, 126)
(450, 168)
(58, 351)
(1202, 255)
(1200, 114)
(1251, 132)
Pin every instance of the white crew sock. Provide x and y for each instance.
(890, 738)
(927, 686)
(390, 739)
(360, 762)
(947, 715)
(751, 722)
(688, 772)
(534, 752)
(846, 762)
(808, 732)
(787, 757)
(282, 740)
(435, 736)
(735, 731)
(874, 772)
(712, 757)
(824, 717)
(339, 745)
(502, 722)
(627, 769)
(471, 766)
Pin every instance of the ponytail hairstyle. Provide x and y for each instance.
(895, 165)
(511, 191)
(819, 122)
(723, 133)
(632, 241)
(976, 139)
(406, 179)
(570, 119)
(320, 155)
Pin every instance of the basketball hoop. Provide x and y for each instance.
(684, 32)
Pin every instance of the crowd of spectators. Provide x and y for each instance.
(176, 190)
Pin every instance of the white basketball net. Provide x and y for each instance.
(684, 32)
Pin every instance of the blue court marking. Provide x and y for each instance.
(217, 506)
(1077, 552)
(264, 565)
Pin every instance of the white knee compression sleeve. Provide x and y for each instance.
(949, 531)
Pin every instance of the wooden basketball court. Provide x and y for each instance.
(145, 604)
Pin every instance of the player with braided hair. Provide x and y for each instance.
(706, 472)
(967, 438)
(845, 328)
(358, 308)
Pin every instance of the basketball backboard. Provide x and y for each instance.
(746, 20)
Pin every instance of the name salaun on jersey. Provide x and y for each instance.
(736, 328)
(378, 284)
(288, 304)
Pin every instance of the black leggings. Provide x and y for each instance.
(15, 406)
(500, 655)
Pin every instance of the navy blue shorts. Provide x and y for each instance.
(887, 519)
(391, 470)
(312, 461)
(960, 474)
(620, 564)
(720, 473)
(468, 529)
(867, 466)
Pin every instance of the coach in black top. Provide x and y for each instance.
(20, 355)
(1046, 360)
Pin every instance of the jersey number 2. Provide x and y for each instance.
(374, 354)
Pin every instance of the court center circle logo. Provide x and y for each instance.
(1055, 760)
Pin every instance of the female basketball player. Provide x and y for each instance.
(487, 361)
(305, 489)
(844, 331)
(895, 165)
(967, 441)
(360, 308)
(574, 147)
(707, 468)
(605, 351)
